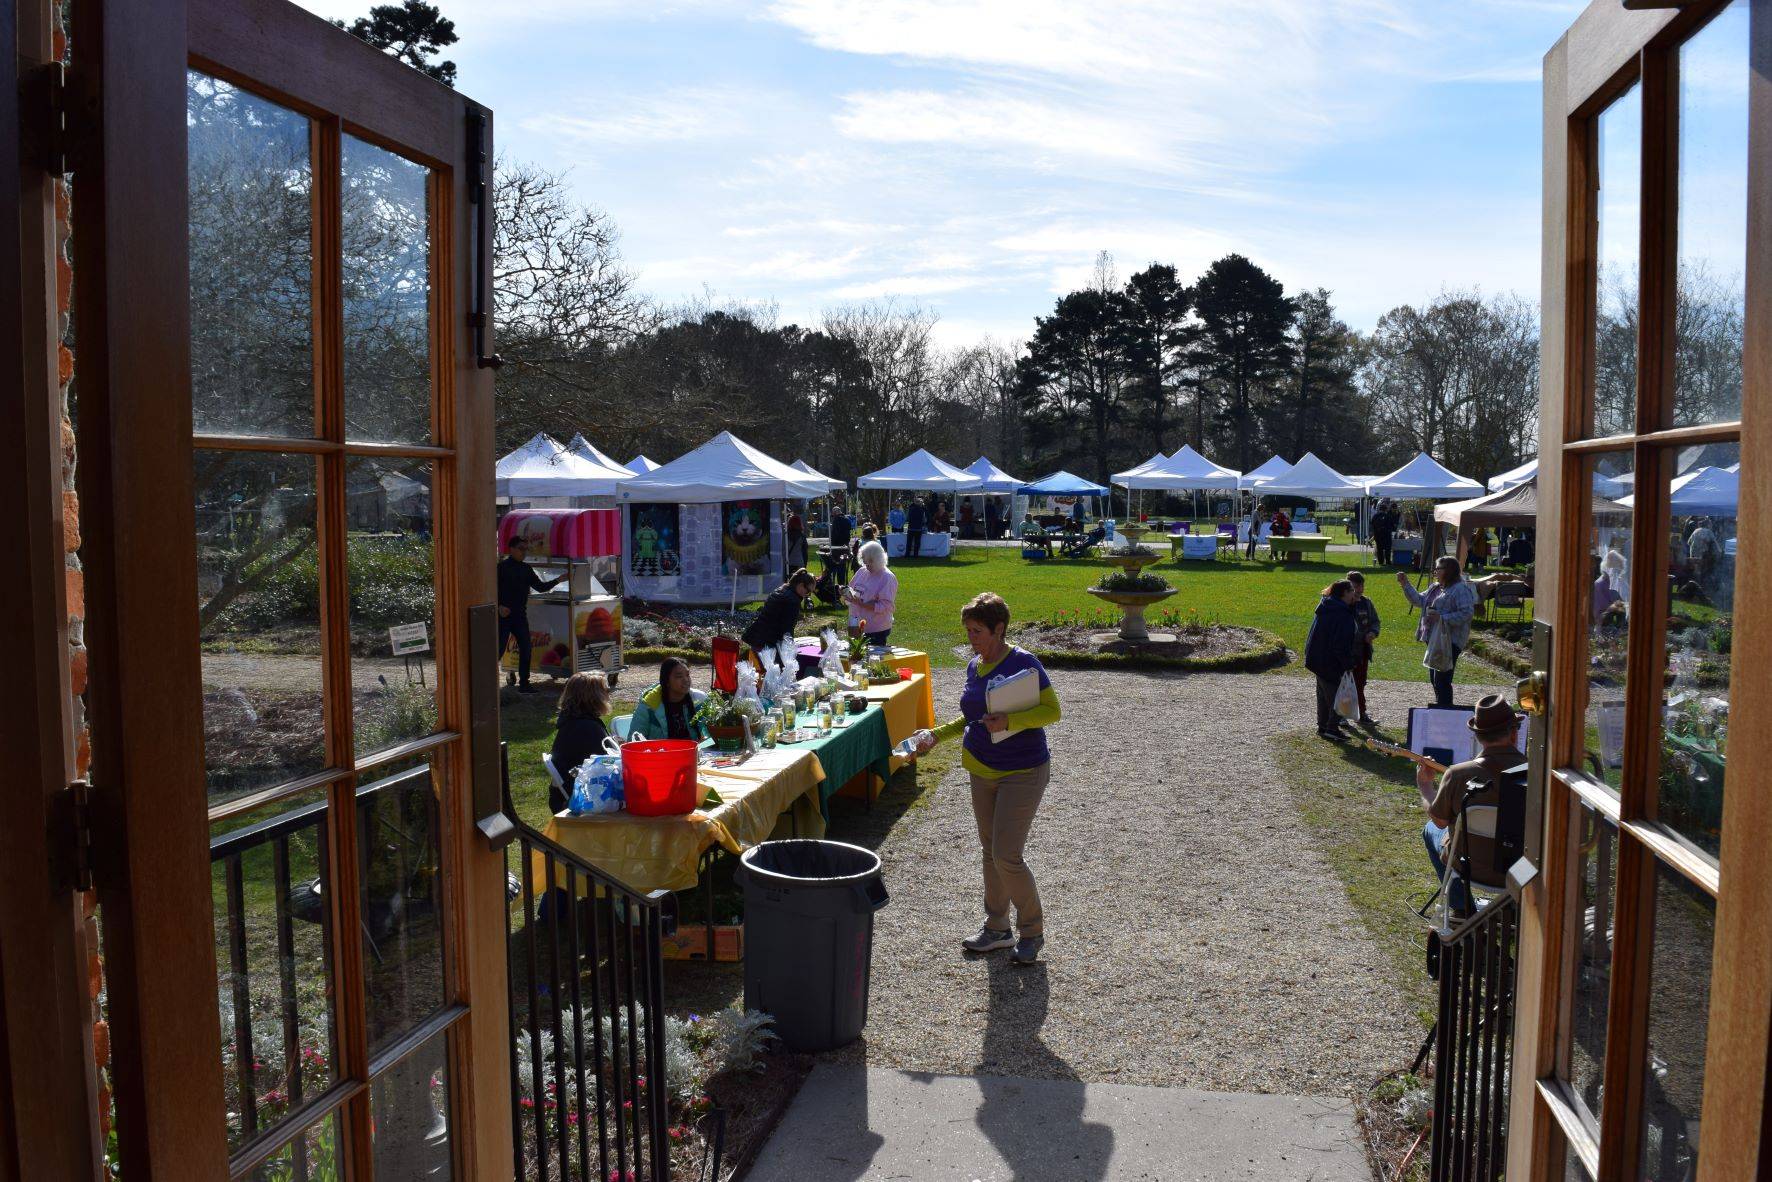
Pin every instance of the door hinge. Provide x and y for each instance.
(74, 861)
(44, 109)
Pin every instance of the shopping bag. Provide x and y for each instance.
(1439, 656)
(596, 786)
(1347, 697)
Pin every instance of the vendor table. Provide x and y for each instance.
(907, 707)
(864, 745)
(1195, 546)
(664, 853)
(1299, 545)
(933, 545)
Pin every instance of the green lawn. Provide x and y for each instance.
(1277, 597)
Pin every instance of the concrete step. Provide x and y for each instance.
(858, 1124)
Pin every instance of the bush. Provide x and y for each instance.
(392, 581)
(1127, 581)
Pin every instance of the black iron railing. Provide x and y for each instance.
(1474, 1044)
(589, 1100)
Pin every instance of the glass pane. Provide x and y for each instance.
(1596, 899)
(1712, 291)
(311, 1157)
(387, 295)
(397, 818)
(258, 608)
(1615, 329)
(409, 1111)
(268, 880)
(250, 221)
(1608, 614)
(393, 600)
(1700, 631)
(1679, 1019)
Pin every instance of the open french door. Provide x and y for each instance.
(1645, 986)
(286, 478)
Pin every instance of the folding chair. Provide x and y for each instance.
(725, 651)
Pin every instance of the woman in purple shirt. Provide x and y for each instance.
(1009, 777)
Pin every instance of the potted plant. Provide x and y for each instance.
(723, 718)
(1132, 592)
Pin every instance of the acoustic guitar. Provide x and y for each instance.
(1392, 749)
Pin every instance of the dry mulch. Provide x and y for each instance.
(1210, 641)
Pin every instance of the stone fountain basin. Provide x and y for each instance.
(1133, 629)
(1132, 598)
(1132, 562)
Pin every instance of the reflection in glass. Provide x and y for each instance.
(1711, 291)
(1700, 631)
(258, 608)
(392, 580)
(311, 1157)
(387, 293)
(1596, 902)
(250, 219)
(1679, 1017)
(397, 818)
(1607, 614)
(268, 876)
(409, 1109)
(1615, 327)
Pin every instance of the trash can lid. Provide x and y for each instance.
(806, 861)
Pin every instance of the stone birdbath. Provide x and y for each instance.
(1132, 592)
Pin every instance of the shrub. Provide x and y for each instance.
(1121, 580)
(392, 581)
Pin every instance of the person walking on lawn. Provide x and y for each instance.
(1331, 648)
(1449, 603)
(1366, 616)
(915, 521)
(516, 579)
(1009, 776)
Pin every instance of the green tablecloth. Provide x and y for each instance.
(863, 745)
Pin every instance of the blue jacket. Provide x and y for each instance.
(649, 715)
(1331, 647)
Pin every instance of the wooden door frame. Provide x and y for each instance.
(47, 1078)
(136, 436)
(1600, 54)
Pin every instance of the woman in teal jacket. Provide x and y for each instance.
(667, 710)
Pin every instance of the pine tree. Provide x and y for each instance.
(413, 32)
(1245, 317)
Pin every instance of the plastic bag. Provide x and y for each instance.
(747, 683)
(830, 665)
(1347, 697)
(596, 786)
(1439, 656)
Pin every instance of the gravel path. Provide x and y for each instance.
(1195, 936)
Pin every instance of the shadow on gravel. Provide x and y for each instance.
(1034, 1140)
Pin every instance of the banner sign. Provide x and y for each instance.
(744, 536)
(408, 639)
(654, 541)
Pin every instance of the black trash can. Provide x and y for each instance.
(809, 938)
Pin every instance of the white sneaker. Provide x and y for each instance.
(989, 939)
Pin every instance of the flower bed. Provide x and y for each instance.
(1072, 639)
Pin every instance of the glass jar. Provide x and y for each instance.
(824, 719)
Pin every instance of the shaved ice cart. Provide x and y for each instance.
(575, 628)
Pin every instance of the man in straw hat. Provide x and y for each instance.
(1497, 729)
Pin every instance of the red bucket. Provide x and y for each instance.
(658, 777)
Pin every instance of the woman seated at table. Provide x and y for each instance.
(1282, 524)
(780, 613)
(579, 731)
(1031, 528)
(872, 595)
(667, 710)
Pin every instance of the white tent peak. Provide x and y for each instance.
(1425, 477)
(543, 468)
(831, 482)
(585, 450)
(641, 464)
(1156, 462)
(1311, 477)
(995, 479)
(1273, 466)
(724, 468)
(921, 472)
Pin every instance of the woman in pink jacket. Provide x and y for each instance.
(872, 594)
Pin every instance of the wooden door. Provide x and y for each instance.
(287, 453)
(1646, 951)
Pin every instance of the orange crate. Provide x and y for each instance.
(691, 942)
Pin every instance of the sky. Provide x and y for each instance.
(971, 157)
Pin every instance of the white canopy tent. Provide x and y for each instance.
(1702, 492)
(993, 478)
(1311, 477)
(921, 472)
(1130, 478)
(543, 468)
(1514, 476)
(1263, 473)
(725, 468)
(641, 464)
(1425, 478)
(585, 450)
(831, 483)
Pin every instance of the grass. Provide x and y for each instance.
(1277, 597)
(1366, 816)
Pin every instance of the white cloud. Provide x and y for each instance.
(906, 285)
(691, 113)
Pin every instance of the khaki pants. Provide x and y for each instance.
(1005, 810)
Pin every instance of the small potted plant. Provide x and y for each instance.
(723, 718)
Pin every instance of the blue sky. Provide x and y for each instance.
(972, 157)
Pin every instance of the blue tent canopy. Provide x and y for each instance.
(1062, 484)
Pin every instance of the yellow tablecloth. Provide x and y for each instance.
(906, 705)
(664, 853)
(916, 662)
